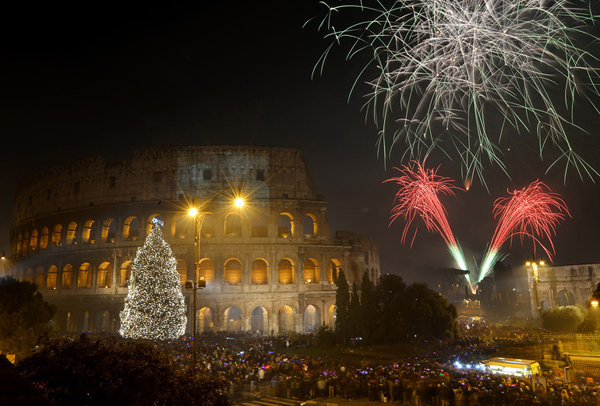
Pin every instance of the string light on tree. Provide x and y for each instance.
(155, 307)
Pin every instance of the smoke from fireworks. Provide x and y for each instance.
(417, 195)
(532, 212)
(446, 67)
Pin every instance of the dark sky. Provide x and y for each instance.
(103, 80)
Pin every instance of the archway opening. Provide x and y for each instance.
(285, 272)
(567, 298)
(312, 320)
(233, 318)
(260, 272)
(205, 320)
(333, 270)
(260, 321)
(286, 319)
(332, 317)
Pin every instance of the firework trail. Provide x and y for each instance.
(417, 195)
(532, 212)
(457, 74)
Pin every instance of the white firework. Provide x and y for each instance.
(446, 67)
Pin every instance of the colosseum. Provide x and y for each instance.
(269, 266)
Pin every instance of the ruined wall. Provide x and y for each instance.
(563, 285)
(272, 265)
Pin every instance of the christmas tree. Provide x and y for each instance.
(154, 307)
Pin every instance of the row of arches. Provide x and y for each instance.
(179, 227)
(233, 320)
(101, 275)
(565, 298)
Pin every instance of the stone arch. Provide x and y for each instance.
(259, 224)
(124, 273)
(84, 276)
(206, 270)
(311, 271)
(182, 270)
(88, 234)
(66, 280)
(29, 277)
(70, 323)
(566, 298)
(233, 319)
(57, 235)
(102, 322)
(26, 242)
(39, 276)
(332, 316)
(286, 317)
(109, 230)
(333, 270)
(285, 272)
(86, 321)
(232, 272)
(52, 277)
(205, 320)
(285, 225)
(104, 279)
(544, 305)
(19, 243)
(260, 272)
(259, 321)
(180, 227)
(207, 225)
(33, 241)
(44, 237)
(233, 225)
(131, 229)
(310, 225)
(71, 236)
(311, 319)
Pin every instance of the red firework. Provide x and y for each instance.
(418, 196)
(533, 212)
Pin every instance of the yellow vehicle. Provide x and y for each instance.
(512, 366)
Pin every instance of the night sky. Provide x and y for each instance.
(103, 80)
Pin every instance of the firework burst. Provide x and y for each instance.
(417, 195)
(532, 212)
(456, 74)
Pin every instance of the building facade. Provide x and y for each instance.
(562, 285)
(269, 266)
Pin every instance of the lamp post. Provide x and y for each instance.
(201, 282)
(536, 285)
(194, 286)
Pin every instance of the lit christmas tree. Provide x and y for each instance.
(154, 307)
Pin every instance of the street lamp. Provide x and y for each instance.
(536, 284)
(194, 286)
(201, 283)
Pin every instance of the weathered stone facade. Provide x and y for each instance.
(270, 266)
(562, 285)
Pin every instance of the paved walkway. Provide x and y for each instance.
(335, 401)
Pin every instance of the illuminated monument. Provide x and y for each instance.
(269, 266)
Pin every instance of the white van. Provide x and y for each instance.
(512, 366)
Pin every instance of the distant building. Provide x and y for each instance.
(270, 267)
(562, 285)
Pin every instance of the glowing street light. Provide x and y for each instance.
(201, 283)
(536, 281)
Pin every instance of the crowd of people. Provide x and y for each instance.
(254, 364)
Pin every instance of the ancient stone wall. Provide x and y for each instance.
(270, 266)
(562, 285)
